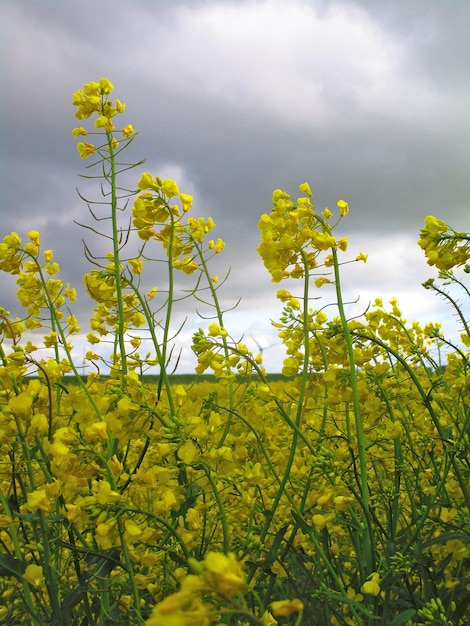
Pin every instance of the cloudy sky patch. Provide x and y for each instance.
(368, 101)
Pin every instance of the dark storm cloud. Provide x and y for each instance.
(366, 100)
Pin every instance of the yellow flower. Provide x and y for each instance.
(35, 237)
(342, 244)
(114, 144)
(321, 280)
(180, 609)
(76, 132)
(91, 89)
(187, 452)
(128, 131)
(106, 86)
(152, 293)
(268, 620)
(170, 188)
(34, 575)
(342, 503)
(343, 207)
(216, 331)
(283, 295)
(104, 122)
(371, 586)
(322, 241)
(282, 608)
(447, 515)
(135, 342)
(51, 269)
(126, 407)
(319, 521)
(5, 521)
(136, 265)
(305, 187)
(433, 226)
(21, 404)
(104, 493)
(37, 501)
(147, 181)
(362, 257)
(186, 201)
(223, 573)
(92, 338)
(120, 106)
(72, 324)
(85, 149)
(132, 528)
(217, 247)
(115, 465)
(96, 432)
(72, 512)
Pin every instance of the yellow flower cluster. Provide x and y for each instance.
(293, 236)
(442, 246)
(38, 292)
(225, 359)
(94, 99)
(181, 241)
(218, 575)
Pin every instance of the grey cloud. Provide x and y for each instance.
(388, 133)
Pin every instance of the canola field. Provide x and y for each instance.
(335, 494)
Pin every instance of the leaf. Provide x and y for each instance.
(403, 617)
(9, 566)
(444, 538)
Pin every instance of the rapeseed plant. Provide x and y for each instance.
(336, 496)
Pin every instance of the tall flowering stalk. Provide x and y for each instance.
(298, 243)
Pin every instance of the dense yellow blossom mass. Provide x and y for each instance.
(334, 494)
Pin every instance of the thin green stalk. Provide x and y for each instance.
(220, 505)
(220, 319)
(430, 285)
(116, 257)
(169, 308)
(50, 574)
(160, 352)
(369, 556)
(298, 417)
(130, 571)
(398, 470)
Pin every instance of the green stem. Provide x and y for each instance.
(220, 505)
(50, 574)
(220, 319)
(116, 259)
(368, 551)
(163, 378)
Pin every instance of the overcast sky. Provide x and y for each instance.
(368, 100)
